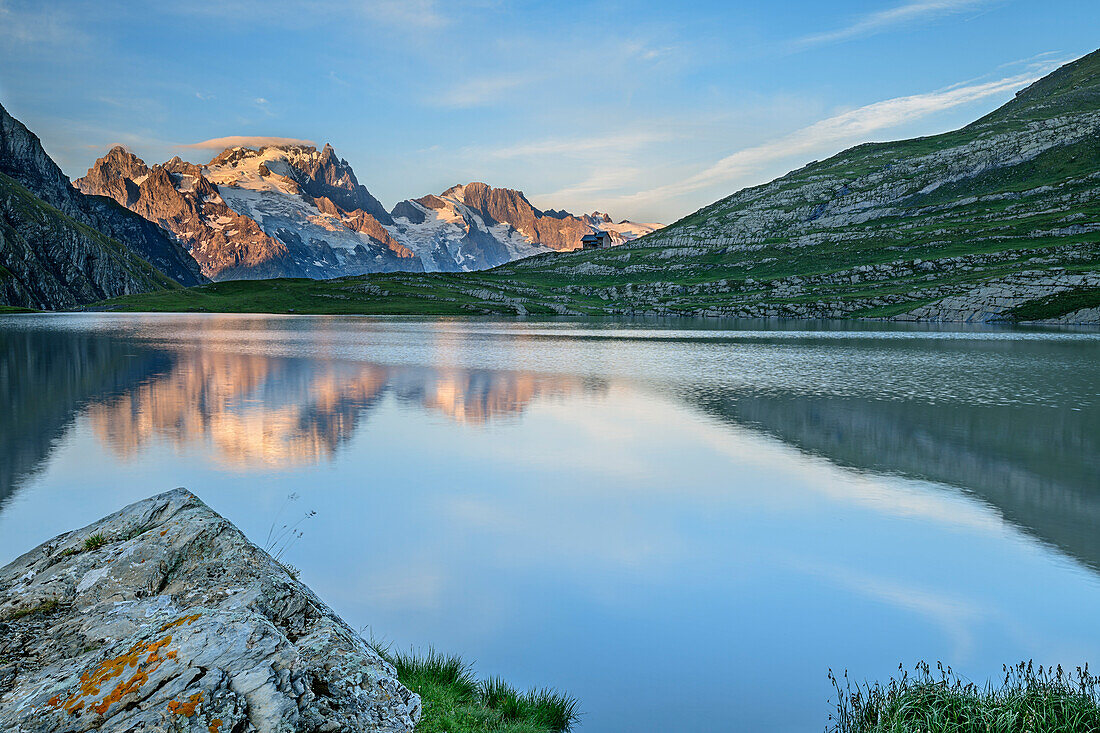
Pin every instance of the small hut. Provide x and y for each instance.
(598, 239)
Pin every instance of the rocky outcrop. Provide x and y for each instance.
(991, 300)
(164, 617)
(75, 270)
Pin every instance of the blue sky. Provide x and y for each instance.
(647, 110)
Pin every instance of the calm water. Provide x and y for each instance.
(684, 525)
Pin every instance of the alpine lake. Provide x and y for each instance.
(685, 524)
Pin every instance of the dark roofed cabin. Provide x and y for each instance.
(598, 239)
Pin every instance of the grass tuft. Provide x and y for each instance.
(45, 608)
(1029, 699)
(95, 541)
(455, 702)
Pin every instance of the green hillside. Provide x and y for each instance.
(997, 220)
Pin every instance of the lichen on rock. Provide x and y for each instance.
(179, 623)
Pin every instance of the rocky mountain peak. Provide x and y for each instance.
(181, 167)
(120, 162)
(500, 204)
(479, 205)
(326, 175)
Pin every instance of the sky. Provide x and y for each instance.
(647, 110)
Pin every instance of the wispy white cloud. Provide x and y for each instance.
(419, 14)
(831, 134)
(479, 91)
(603, 178)
(882, 20)
(422, 14)
(580, 146)
(244, 141)
(34, 24)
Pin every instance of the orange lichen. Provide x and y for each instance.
(215, 725)
(164, 532)
(186, 709)
(54, 701)
(180, 621)
(92, 682)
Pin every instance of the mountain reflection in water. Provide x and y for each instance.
(257, 410)
(250, 410)
(1037, 463)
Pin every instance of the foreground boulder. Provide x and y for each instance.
(164, 617)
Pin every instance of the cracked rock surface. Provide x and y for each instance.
(176, 622)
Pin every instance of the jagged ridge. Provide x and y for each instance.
(295, 211)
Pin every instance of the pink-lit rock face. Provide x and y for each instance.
(163, 616)
(290, 210)
(251, 214)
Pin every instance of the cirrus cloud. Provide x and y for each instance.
(829, 135)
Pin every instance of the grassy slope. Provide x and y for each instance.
(792, 245)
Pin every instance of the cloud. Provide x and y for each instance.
(567, 146)
(477, 92)
(838, 131)
(604, 178)
(244, 141)
(882, 20)
(423, 14)
(33, 25)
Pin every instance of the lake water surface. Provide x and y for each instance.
(685, 524)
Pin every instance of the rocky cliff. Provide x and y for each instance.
(277, 212)
(164, 617)
(59, 248)
(475, 226)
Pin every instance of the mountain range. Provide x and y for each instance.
(295, 211)
(995, 221)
